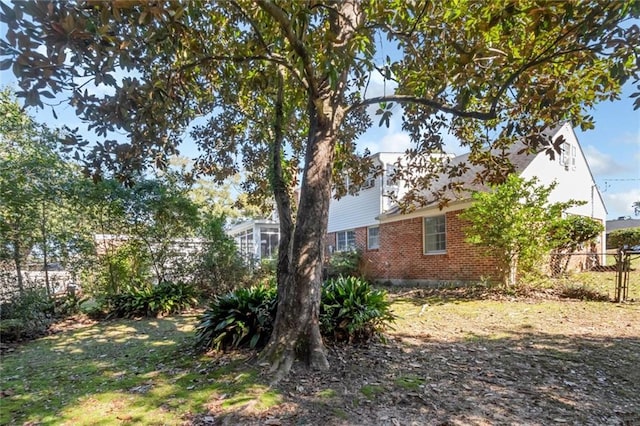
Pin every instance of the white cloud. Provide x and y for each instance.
(630, 138)
(603, 164)
(383, 139)
(619, 203)
(378, 86)
(395, 142)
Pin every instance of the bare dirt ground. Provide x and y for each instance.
(456, 358)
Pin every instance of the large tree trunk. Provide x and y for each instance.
(297, 329)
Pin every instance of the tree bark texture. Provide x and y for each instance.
(297, 328)
(17, 260)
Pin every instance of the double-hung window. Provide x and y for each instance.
(373, 238)
(345, 240)
(435, 234)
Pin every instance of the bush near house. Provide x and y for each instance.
(350, 310)
(345, 263)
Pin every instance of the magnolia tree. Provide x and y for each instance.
(281, 89)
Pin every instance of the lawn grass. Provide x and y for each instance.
(124, 371)
(451, 353)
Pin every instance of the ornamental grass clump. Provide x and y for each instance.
(351, 310)
(241, 318)
(165, 298)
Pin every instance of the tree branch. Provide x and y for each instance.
(299, 48)
(407, 99)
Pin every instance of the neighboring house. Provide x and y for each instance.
(256, 239)
(428, 244)
(624, 222)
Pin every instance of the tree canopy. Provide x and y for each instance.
(284, 86)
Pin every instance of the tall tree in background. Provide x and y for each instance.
(31, 181)
(286, 85)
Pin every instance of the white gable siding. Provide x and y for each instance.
(354, 211)
(573, 182)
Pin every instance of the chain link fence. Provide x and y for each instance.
(613, 272)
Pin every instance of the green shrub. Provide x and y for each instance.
(352, 311)
(624, 238)
(345, 263)
(241, 318)
(219, 267)
(125, 266)
(26, 315)
(163, 299)
(12, 329)
(67, 305)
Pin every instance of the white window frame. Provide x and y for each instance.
(568, 153)
(373, 243)
(345, 246)
(426, 235)
(369, 182)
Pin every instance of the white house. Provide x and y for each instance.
(428, 244)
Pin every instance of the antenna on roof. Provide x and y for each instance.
(607, 185)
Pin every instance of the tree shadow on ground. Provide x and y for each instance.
(525, 378)
(115, 372)
(128, 372)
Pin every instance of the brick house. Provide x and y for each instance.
(427, 245)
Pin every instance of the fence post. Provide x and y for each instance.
(619, 274)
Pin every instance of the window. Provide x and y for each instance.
(269, 238)
(435, 234)
(568, 156)
(369, 182)
(345, 240)
(244, 241)
(373, 238)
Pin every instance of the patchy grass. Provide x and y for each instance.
(326, 394)
(370, 391)
(455, 356)
(410, 382)
(129, 371)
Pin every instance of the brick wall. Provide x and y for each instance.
(401, 256)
